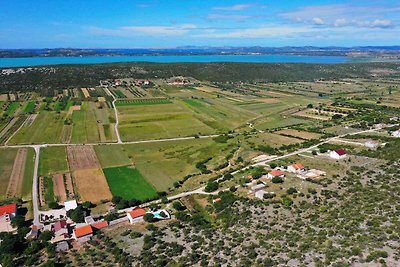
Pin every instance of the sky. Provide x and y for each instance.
(164, 24)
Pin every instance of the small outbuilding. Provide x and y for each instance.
(70, 205)
(338, 154)
(276, 173)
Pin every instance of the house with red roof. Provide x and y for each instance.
(276, 173)
(296, 168)
(83, 234)
(99, 225)
(136, 215)
(338, 154)
(7, 212)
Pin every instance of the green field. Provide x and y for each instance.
(85, 128)
(137, 102)
(46, 128)
(53, 160)
(7, 157)
(48, 190)
(28, 175)
(112, 155)
(13, 106)
(164, 163)
(128, 183)
(29, 107)
(159, 121)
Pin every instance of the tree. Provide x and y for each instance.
(291, 191)
(277, 180)
(211, 186)
(149, 217)
(77, 215)
(178, 206)
(46, 235)
(87, 204)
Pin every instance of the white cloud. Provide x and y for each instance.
(129, 31)
(340, 22)
(340, 15)
(233, 7)
(318, 21)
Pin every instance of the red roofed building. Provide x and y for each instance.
(100, 225)
(136, 215)
(296, 168)
(276, 173)
(83, 233)
(7, 212)
(338, 154)
(60, 228)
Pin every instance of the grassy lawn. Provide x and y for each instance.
(128, 183)
(7, 157)
(46, 128)
(53, 160)
(112, 155)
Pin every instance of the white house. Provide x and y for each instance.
(276, 173)
(296, 168)
(371, 144)
(260, 194)
(396, 134)
(83, 234)
(338, 154)
(257, 187)
(136, 215)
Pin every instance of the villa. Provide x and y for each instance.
(276, 173)
(296, 168)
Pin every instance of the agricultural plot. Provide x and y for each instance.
(14, 187)
(145, 122)
(29, 107)
(11, 108)
(129, 183)
(219, 114)
(92, 185)
(298, 134)
(112, 156)
(46, 128)
(7, 157)
(143, 101)
(92, 124)
(87, 173)
(164, 163)
(53, 160)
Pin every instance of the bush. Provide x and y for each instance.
(177, 205)
(277, 180)
(211, 186)
(149, 217)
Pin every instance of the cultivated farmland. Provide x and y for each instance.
(53, 160)
(128, 183)
(7, 157)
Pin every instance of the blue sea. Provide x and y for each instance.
(39, 61)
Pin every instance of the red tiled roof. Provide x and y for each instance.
(82, 231)
(298, 166)
(341, 152)
(8, 209)
(137, 213)
(100, 225)
(60, 225)
(277, 173)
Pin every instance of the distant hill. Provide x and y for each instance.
(198, 50)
